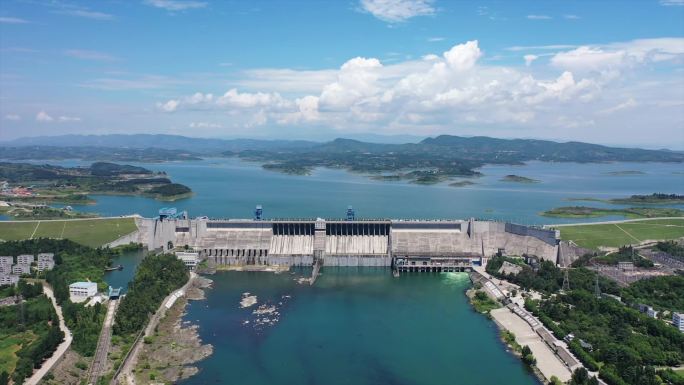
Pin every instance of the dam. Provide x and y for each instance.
(403, 245)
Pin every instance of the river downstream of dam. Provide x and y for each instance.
(355, 326)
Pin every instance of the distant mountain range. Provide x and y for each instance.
(143, 141)
(466, 150)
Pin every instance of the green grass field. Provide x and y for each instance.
(9, 345)
(91, 232)
(615, 235)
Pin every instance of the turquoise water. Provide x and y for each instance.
(231, 188)
(120, 278)
(354, 326)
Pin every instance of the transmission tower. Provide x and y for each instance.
(597, 289)
(566, 280)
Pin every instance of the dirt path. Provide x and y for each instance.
(61, 349)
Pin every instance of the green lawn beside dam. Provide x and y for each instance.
(618, 234)
(90, 232)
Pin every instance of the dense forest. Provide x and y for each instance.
(156, 277)
(663, 293)
(33, 327)
(627, 345)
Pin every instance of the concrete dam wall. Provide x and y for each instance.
(419, 244)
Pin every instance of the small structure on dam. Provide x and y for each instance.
(405, 245)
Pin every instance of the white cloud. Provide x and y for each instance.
(169, 106)
(539, 17)
(204, 125)
(620, 55)
(529, 59)
(176, 5)
(69, 119)
(435, 39)
(670, 3)
(42, 116)
(394, 11)
(453, 91)
(571, 17)
(356, 79)
(87, 14)
(463, 57)
(233, 98)
(628, 104)
(89, 55)
(13, 117)
(12, 20)
(540, 47)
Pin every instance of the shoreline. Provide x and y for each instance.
(170, 354)
(508, 345)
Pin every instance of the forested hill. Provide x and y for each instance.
(533, 149)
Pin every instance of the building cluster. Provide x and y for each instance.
(11, 271)
(19, 191)
(648, 310)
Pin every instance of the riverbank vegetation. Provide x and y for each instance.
(593, 236)
(157, 276)
(61, 184)
(482, 303)
(88, 232)
(595, 212)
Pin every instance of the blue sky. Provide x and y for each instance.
(600, 71)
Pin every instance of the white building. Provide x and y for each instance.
(45, 265)
(678, 321)
(190, 259)
(20, 269)
(44, 257)
(6, 260)
(7, 279)
(651, 312)
(5, 269)
(25, 259)
(80, 291)
(626, 266)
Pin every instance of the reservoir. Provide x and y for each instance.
(226, 187)
(355, 326)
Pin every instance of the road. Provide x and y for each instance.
(126, 375)
(99, 364)
(61, 349)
